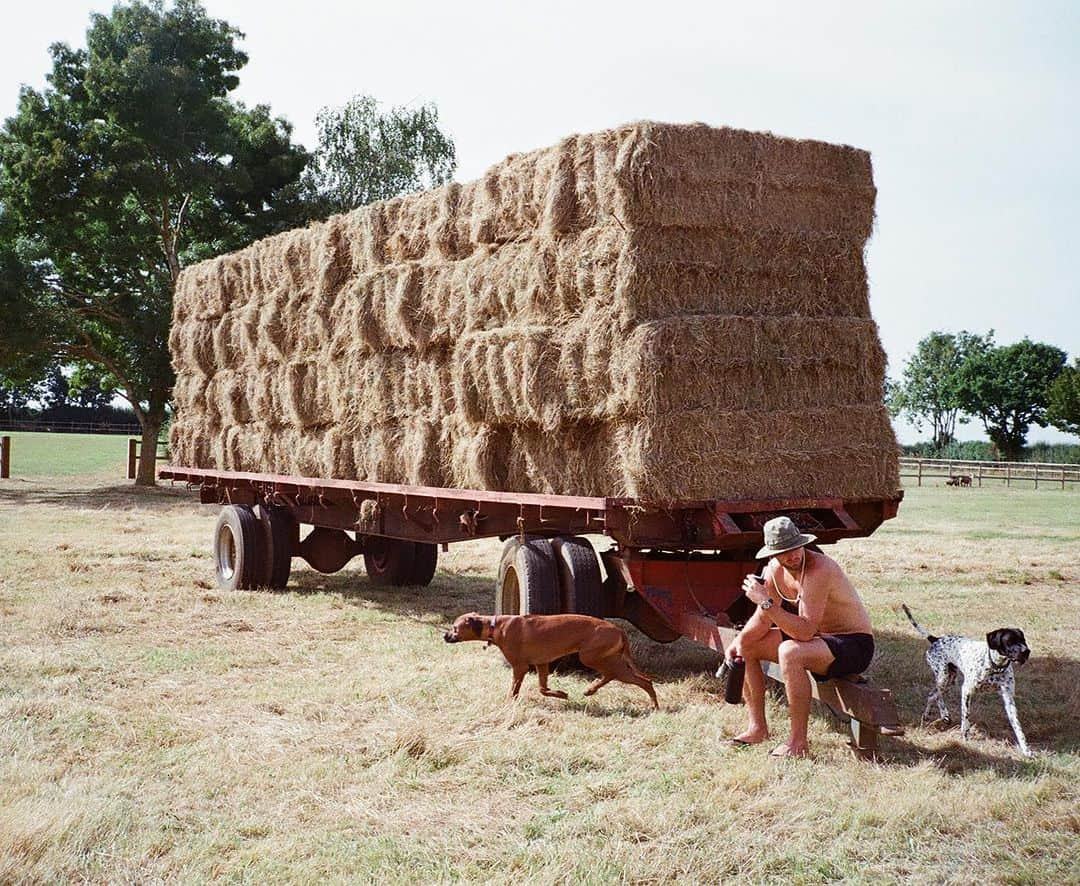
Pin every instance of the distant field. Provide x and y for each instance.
(156, 729)
(35, 455)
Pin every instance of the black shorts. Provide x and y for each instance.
(852, 652)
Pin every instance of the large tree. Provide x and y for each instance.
(21, 287)
(131, 164)
(929, 390)
(1007, 387)
(365, 154)
(1063, 400)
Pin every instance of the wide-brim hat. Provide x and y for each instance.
(782, 535)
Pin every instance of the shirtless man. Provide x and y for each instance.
(809, 618)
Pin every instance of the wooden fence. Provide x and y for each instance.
(135, 454)
(47, 426)
(954, 472)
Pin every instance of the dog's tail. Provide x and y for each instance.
(929, 637)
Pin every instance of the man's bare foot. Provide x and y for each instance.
(787, 749)
(751, 736)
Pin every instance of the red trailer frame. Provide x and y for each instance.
(659, 553)
(675, 569)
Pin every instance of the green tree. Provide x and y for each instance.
(131, 164)
(929, 391)
(90, 388)
(21, 294)
(15, 398)
(365, 155)
(1063, 400)
(1007, 388)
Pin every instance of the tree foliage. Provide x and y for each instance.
(1063, 400)
(366, 155)
(929, 390)
(131, 164)
(21, 295)
(1007, 387)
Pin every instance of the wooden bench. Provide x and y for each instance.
(868, 710)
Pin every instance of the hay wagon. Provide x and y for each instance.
(672, 571)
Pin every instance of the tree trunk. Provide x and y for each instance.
(1009, 445)
(151, 427)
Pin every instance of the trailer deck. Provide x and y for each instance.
(441, 515)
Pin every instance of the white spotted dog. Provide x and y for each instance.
(988, 663)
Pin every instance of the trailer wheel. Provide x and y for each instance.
(579, 576)
(279, 531)
(527, 582)
(425, 559)
(389, 561)
(239, 557)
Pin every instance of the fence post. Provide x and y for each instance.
(5, 458)
(133, 458)
(1036, 476)
(980, 476)
(1062, 478)
(1008, 474)
(920, 471)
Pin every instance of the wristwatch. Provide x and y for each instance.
(766, 604)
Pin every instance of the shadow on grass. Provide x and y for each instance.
(122, 496)
(594, 706)
(447, 597)
(1047, 697)
(451, 595)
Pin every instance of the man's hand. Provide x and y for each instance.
(734, 649)
(755, 589)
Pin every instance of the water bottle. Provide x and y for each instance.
(736, 670)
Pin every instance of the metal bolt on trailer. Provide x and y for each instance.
(675, 569)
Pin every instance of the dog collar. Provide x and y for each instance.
(997, 666)
(491, 636)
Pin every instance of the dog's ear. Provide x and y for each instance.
(995, 640)
(476, 624)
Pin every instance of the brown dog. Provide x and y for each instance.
(538, 640)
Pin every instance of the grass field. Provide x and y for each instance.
(155, 728)
(36, 456)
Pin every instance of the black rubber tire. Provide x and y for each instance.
(239, 556)
(279, 531)
(389, 561)
(527, 582)
(425, 560)
(579, 576)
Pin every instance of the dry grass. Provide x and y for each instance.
(154, 728)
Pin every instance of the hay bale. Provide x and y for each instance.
(658, 311)
(655, 274)
(304, 392)
(711, 454)
(587, 371)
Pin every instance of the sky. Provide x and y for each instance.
(971, 112)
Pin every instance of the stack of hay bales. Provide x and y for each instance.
(656, 311)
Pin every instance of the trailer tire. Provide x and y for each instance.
(239, 555)
(579, 576)
(279, 531)
(389, 561)
(425, 560)
(527, 583)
